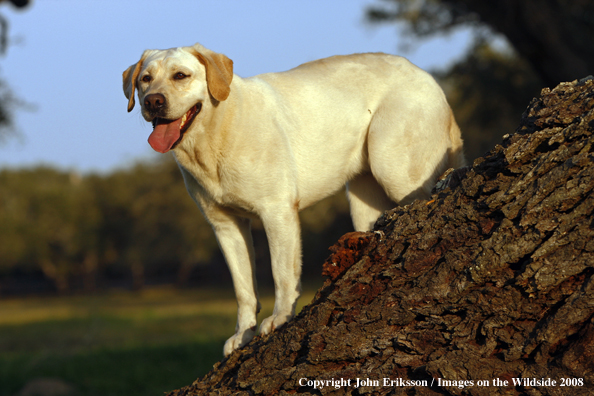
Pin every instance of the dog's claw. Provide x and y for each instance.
(238, 340)
(273, 322)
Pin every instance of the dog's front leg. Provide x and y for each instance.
(283, 233)
(235, 238)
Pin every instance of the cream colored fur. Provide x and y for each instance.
(271, 145)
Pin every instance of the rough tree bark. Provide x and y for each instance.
(488, 282)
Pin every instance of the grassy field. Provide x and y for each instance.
(117, 343)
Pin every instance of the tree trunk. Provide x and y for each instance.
(486, 289)
(554, 36)
(90, 266)
(137, 269)
(57, 275)
(184, 272)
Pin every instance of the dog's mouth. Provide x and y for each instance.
(168, 133)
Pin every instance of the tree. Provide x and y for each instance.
(7, 99)
(552, 35)
(150, 224)
(77, 230)
(484, 83)
(547, 42)
(47, 223)
(485, 289)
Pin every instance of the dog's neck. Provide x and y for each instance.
(200, 150)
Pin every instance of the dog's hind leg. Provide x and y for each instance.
(367, 200)
(408, 146)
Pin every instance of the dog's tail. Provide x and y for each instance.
(456, 157)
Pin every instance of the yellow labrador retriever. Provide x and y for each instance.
(273, 144)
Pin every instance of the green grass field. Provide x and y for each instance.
(117, 343)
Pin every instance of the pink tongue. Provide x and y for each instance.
(165, 135)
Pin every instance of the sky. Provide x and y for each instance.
(66, 60)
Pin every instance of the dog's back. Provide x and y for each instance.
(378, 113)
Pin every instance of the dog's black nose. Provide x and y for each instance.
(154, 102)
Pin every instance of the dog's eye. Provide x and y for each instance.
(179, 76)
(147, 78)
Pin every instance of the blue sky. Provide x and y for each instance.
(68, 56)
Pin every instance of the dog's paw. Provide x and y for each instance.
(238, 340)
(273, 322)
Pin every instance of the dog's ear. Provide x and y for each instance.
(130, 77)
(219, 71)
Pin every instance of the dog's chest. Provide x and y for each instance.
(216, 185)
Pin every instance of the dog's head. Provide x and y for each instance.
(173, 86)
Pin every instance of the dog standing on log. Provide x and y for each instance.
(271, 145)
